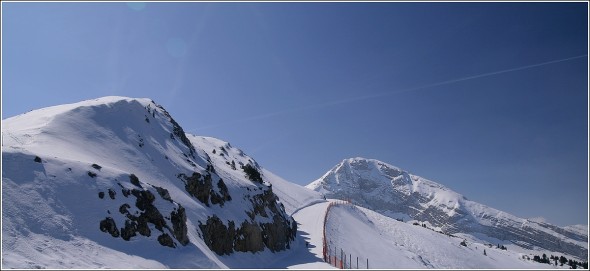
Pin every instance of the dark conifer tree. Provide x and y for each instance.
(562, 260)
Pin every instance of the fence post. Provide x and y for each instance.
(357, 262)
(367, 263)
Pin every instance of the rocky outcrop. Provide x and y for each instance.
(223, 195)
(134, 180)
(108, 225)
(178, 132)
(252, 173)
(218, 237)
(278, 234)
(165, 240)
(163, 192)
(138, 223)
(201, 187)
(129, 230)
(178, 219)
(252, 236)
(249, 238)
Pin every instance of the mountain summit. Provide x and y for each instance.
(398, 194)
(116, 182)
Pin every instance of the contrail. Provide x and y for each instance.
(387, 93)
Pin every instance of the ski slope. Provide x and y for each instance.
(388, 243)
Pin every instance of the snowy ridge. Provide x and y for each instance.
(222, 154)
(398, 194)
(118, 177)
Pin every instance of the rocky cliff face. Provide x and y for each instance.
(398, 194)
(251, 235)
(266, 224)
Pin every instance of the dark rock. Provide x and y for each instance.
(124, 208)
(108, 225)
(252, 173)
(276, 235)
(91, 174)
(210, 168)
(142, 226)
(129, 230)
(249, 238)
(125, 192)
(37, 159)
(166, 240)
(178, 219)
(101, 194)
(218, 237)
(144, 202)
(178, 131)
(134, 180)
(112, 193)
(223, 189)
(262, 201)
(145, 198)
(163, 192)
(96, 166)
(198, 187)
(201, 187)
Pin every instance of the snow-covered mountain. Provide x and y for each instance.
(115, 182)
(398, 194)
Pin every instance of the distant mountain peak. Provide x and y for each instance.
(394, 192)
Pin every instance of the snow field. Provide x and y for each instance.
(388, 243)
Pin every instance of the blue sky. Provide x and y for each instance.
(448, 91)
